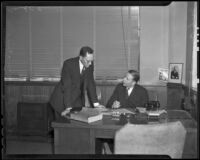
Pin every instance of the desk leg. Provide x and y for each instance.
(92, 142)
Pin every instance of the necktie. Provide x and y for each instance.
(82, 86)
(83, 70)
(127, 92)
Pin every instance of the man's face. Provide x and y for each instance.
(128, 80)
(87, 60)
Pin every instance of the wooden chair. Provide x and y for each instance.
(153, 139)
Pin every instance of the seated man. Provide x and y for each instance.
(129, 94)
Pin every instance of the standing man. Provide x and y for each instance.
(129, 94)
(76, 78)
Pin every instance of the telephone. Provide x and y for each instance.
(152, 105)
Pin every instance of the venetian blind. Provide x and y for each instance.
(39, 39)
(45, 41)
(117, 41)
(77, 30)
(17, 42)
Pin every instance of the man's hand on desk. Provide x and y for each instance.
(99, 106)
(66, 111)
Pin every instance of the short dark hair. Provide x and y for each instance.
(85, 50)
(135, 74)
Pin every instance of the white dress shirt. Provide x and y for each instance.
(80, 66)
(130, 90)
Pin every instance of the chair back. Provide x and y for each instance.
(153, 139)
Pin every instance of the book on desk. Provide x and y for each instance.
(153, 115)
(87, 115)
(160, 115)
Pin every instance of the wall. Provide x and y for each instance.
(154, 22)
(154, 33)
(177, 34)
(162, 41)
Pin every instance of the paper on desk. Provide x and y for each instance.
(101, 109)
(104, 111)
(156, 113)
(118, 111)
(123, 110)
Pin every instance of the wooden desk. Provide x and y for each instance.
(73, 137)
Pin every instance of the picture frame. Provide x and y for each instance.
(163, 74)
(175, 72)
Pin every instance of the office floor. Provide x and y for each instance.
(28, 145)
(36, 145)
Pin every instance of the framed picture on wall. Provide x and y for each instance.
(175, 72)
(163, 74)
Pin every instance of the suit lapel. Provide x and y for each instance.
(133, 91)
(125, 92)
(77, 72)
(76, 66)
(77, 69)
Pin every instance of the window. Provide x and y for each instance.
(117, 41)
(195, 50)
(17, 43)
(39, 39)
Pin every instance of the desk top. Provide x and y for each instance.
(109, 122)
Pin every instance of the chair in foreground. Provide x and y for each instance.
(155, 139)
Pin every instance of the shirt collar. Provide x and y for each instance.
(80, 65)
(129, 88)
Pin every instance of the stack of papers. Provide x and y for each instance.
(101, 109)
(114, 112)
(122, 111)
(156, 113)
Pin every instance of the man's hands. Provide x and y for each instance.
(116, 104)
(66, 111)
(99, 106)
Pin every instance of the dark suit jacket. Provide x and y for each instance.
(138, 97)
(67, 92)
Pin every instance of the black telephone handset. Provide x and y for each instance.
(152, 105)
